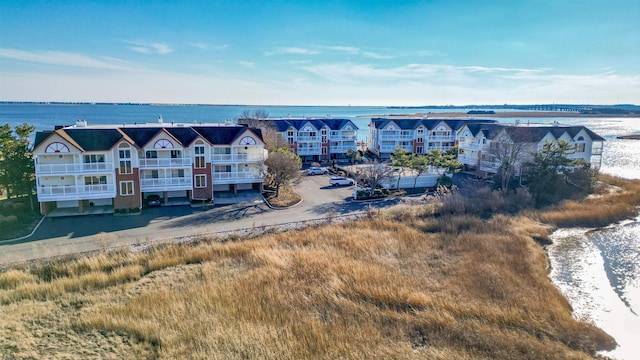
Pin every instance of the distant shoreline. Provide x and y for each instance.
(505, 114)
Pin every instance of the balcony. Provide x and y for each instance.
(343, 137)
(233, 177)
(440, 138)
(236, 158)
(396, 136)
(468, 159)
(469, 146)
(309, 150)
(75, 192)
(70, 168)
(166, 184)
(163, 163)
(342, 149)
(308, 138)
(390, 149)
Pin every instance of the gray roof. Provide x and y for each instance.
(283, 125)
(100, 139)
(412, 124)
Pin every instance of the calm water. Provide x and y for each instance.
(599, 271)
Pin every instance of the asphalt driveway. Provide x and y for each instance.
(67, 235)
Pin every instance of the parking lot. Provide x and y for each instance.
(65, 235)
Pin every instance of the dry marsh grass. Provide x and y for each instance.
(619, 200)
(441, 288)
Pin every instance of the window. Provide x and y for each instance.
(124, 156)
(418, 149)
(201, 181)
(95, 158)
(177, 173)
(176, 154)
(151, 154)
(325, 150)
(222, 150)
(580, 147)
(126, 188)
(95, 180)
(154, 174)
(199, 156)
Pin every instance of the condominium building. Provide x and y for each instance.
(120, 166)
(479, 145)
(315, 139)
(417, 136)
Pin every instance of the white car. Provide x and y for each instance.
(339, 180)
(317, 171)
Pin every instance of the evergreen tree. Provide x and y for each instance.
(551, 165)
(16, 160)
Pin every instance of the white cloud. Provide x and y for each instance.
(292, 51)
(340, 72)
(201, 46)
(346, 49)
(149, 48)
(248, 64)
(64, 59)
(372, 55)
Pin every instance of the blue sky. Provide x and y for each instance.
(321, 52)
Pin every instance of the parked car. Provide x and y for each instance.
(343, 181)
(317, 171)
(153, 200)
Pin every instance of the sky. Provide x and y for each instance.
(403, 53)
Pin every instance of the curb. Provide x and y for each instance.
(283, 208)
(26, 236)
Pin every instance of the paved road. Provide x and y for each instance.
(61, 236)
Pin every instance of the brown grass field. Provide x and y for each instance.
(401, 284)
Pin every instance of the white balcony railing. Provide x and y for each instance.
(236, 176)
(231, 158)
(469, 146)
(309, 150)
(165, 163)
(343, 137)
(166, 183)
(468, 159)
(397, 137)
(71, 168)
(390, 149)
(342, 149)
(441, 138)
(75, 192)
(309, 138)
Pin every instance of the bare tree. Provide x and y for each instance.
(375, 174)
(273, 139)
(509, 151)
(284, 167)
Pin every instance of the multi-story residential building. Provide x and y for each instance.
(479, 144)
(120, 166)
(315, 139)
(416, 136)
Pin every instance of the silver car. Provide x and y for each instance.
(339, 180)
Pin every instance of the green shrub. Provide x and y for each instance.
(19, 207)
(8, 220)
